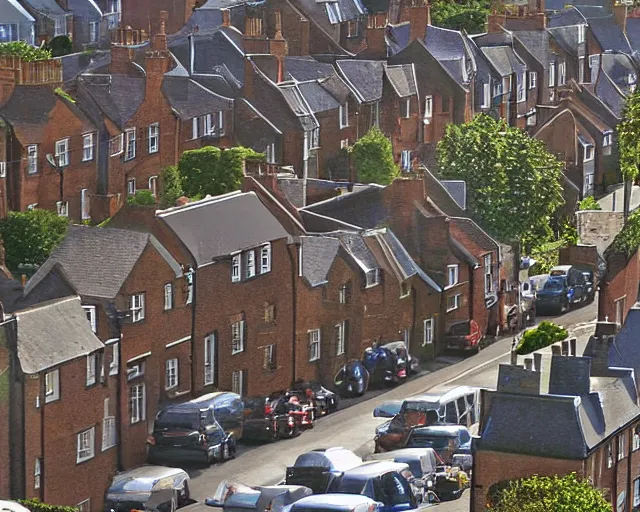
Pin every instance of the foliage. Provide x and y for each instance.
(468, 15)
(59, 46)
(63, 94)
(629, 137)
(627, 241)
(24, 51)
(35, 505)
(210, 171)
(29, 237)
(516, 181)
(170, 187)
(589, 203)
(547, 333)
(373, 158)
(550, 494)
(142, 198)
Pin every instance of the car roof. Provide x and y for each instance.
(404, 453)
(374, 468)
(561, 267)
(142, 478)
(334, 459)
(440, 430)
(334, 500)
(442, 393)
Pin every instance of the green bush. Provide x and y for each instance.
(24, 51)
(142, 198)
(547, 333)
(35, 505)
(170, 186)
(589, 203)
(59, 46)
(627, 240)
(373, 158)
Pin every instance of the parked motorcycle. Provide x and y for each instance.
(352, 380)
(389, 364)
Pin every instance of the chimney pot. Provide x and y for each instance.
(573, 347)
(555, 349)
(537, 358)
(226, 17)
(565, 347)
(24, 280)
(514, 358)
(528, 364)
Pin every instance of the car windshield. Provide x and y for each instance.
(435, 442)
(180, 420)
(554, 284)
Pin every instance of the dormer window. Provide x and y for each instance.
(588, 152)
(428, 109)
(373, 277)
(607, 142)
(582, 31)
(344, 115)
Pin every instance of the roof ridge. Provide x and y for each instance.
(202, 202)
(46, 304)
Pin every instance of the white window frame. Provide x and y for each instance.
(340, 341)
(62, 152)
(522, 87)
(427, 332)
(91, 316)
(130, 135)
(32, 159)
(609, 454)
(636, 492)
(562, 73)
(131, 187)
(94, 31)
(153, 186)
(116, 145)
(344, 115)
(189, 278)
(171, 374)
(405, 160)
(270, 153)
(532, 118)
(342, 294)
(85, 212)
(314, 344)
(62, 207)
(269, 362)
(92, 369)
(207, 121)
(533, 79)
(137, 307)
(237, 381)
(87, 147)
(372, 277)
(37, 471)
(250, 270)
(453, 275)
(52, 386)
(168, 296)
(315, 138)
(137, 403)
(344, 143)
(237, 337)
(114, 365)
(552, 74)
(486, 95)
(636, 438)
(209, 359)
(109, 435)
(580, 70)
(195, 128)
(594, 64)
(488, 273)
(582, 33)
(621, 446)
(456, 302)
(265, 258)
(428, 109)
(154, 138)
(220, 123)
(59, 26)
(86, 445)
(607, 139)
(589, 152)
(236, 268)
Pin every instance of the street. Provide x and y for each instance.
(353, 427)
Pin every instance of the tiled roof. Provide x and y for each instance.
(85, 10)
(609, 34)
(475, 233)
(307, 68)
(364, 77)
(46, 7)
(298, 106)
(117, 96)
(40, 99)
(54, 333)
(503, 59)
(191, 100)
(317, 97)
(318, 255)
(537, 44)
(402, 78)
(218, 226)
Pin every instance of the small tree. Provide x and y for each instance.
(550, 494)
(29, 237)
(170, 187)
(373, 158)
(60, 45)
(467, 15)
(142, 198)
(629, 137)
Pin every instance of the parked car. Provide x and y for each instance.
(446, 440)
(234, 497)
(352, 380)
(388, 409)
(459, 404)
(335, 503)
(326, 401)
(148, 488)
(189, 432)
(318, 469)
(268, 418)
(589, 285)
(554, 296)
(574, 281)
(465, 336)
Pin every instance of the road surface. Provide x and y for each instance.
(353, 427)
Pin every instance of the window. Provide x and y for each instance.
(32, 159)
(235, 267)
(238, 382)
(594, 64)
(265, 258)
(168, 296)
(116, 144)
(269, 362)
(85, 209)
(195, 128)
(251, 264)
(344, 115)
(94, 31)
(220, 123)
(533, 79)
(407, 108)
(84, 506)
(154, 137)
(372, 277)
(208, 125)
(486, 93)
(344, 143)
(153, 186)
(636, 438)
(582, 29)
(315, 137)
(352, 28)
(137, 403)
(131, 187)
(87, 147)
(52, 386)
(344, 294)
(92, 362)
(36, 474)
(532, 118)
(607, 139)
(452, 273)
(562, 73)
(488, 275)
(60, 26)
(130, 144)
(269, 313)
(189, 278)
(86, 443)
(340, 341)
(62, 152)
(405, 160)
(621, 446)
(271, 153)
(114, 365)
(62, 208)
(405, 289)
(636, 492)
(552, 74)
(588, 152)
(237, 337)
(497, 89)
(209, 358)
(428, 109)
(137, 307)
(135, 371)
(588, 184)
(8, 32)
(620, 307)
(446, 104)
(427, 332)
(522, 91)
(314, 345)
(581, 70)
(91, 316)
(609, 455)
(171, 374)
(453, 302)
(109, 439)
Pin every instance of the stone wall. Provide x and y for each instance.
(598, 228)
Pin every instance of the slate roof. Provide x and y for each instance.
(18, 7)
(633, 33)
(46, 7)
(457, 189)
(318, 255)
(317, 97)
(398, 37)
(317, 223)
(103, 266)
(354, 244)
(565, 18)
(293, 190)
(440, 196)
(402, 78)
(77, 63)
(624, 352)
(54, 333)
(40, 98)
(189, 99)
(504, 59)
(364, 77)
(296, 102)
(86, 10)
(307, 68)
(566, 37)
(218, 226)
(609, 34)
(611, 86)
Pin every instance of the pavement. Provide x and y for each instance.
(353, 425)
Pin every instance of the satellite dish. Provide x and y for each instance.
(52, 160)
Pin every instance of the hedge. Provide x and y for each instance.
(547, 333)
(35, 505)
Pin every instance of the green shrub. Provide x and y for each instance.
(142, 198)
(35, 505)
(24, 51)
(627, 240)
(589, 203)
(59, 46)
(547, 333)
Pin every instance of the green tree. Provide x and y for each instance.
(550, 494)
(467, 15)
(59, 46)
(24, 51)
(29, 237)
(170, 187)
(142, 198)
(589, 203)
(629, 137)
(627, 241)
(373, 158)
(514, 182)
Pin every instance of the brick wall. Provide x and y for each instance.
(6, 354)
(620, 283)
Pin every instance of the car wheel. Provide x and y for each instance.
(174, 502)
(226, 453)
(183, 497)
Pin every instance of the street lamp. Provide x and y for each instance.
(53, 162)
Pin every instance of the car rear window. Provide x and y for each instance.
(180, 420)
(435, 442)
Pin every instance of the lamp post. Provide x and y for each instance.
(53, 162)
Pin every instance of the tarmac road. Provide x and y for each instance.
(353, 427)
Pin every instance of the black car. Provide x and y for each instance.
(189, 433)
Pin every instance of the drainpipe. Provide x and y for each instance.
(121, 383)
(294, 309)
(193, 336)
(43, 463)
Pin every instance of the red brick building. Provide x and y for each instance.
(619, 287)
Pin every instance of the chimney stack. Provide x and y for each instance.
(514, 358)
(620, 15)
(537, 358)
(518, 380)
(254, 38)
(226, 17)
(528, 364)
(555, 349)
(278, 46)
(565, 347)
(598, 350)
(420, 18)
(570, 376)
(573, 347)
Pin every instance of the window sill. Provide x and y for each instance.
(90, 385)
(237, 352)
(452, 309)
(314, 360)
(450, 286)
(84, 460)
(172, 388)
(87, 160)
(107, 448)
